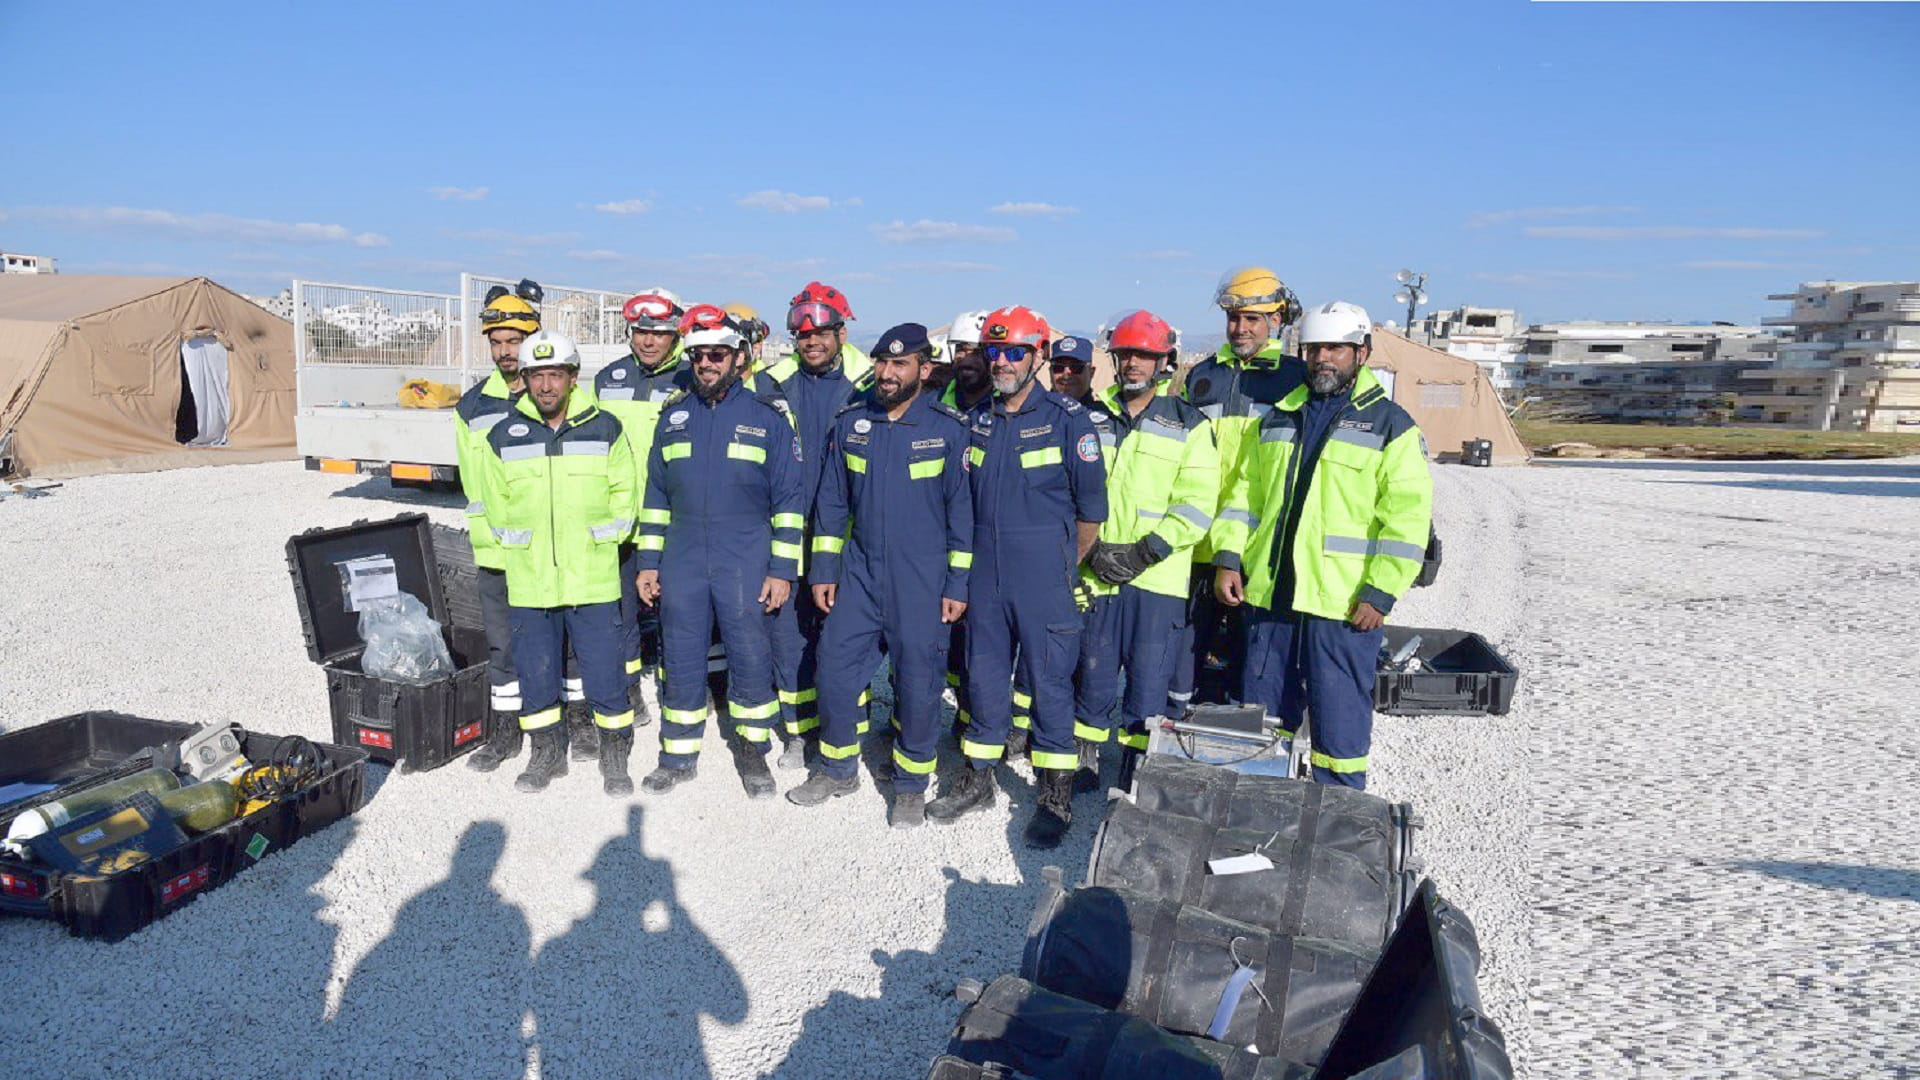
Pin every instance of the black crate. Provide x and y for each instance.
(1460, 675)
(84, 748)
(1477, 452)
(419, 726)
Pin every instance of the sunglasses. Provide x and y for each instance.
(1012, 354)
(712, 353)
(1075, 366)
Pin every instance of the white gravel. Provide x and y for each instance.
(1682, 849)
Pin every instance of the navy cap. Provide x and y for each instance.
(908, 337)
(1074, 348)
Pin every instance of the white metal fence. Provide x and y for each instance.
(591, 317)
(361, 324)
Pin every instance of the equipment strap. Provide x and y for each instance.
(1279, 983)
(1300, 866)
(1158, 961)
(1197, 872)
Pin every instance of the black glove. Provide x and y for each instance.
(1117, 564)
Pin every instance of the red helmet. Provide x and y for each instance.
(1142, 331)
(656, 310)
(1015, 325)
(818, 307)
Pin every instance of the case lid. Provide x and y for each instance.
(333, 569)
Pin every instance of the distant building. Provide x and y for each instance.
(12, 262)
(280, 304)
(1482, 335)
(1850, 360)
(1642, 371)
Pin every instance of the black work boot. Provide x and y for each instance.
(972, 789)
(1053, 811)
(549, 759)
(793, 752)
(665, 778)
(503, 743)
(582, 734)
(615, 748)
(1087, 776)
(820, 787)
(1016, 743)
(641, 717)
(909, 809)
(754, 774)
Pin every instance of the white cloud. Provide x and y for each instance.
(855, 201)
(208, 226)
(458, 194)
(862, 277)
(946, 267)
(1541, 213)
(1548, 278)
(941, 232)
(595, 255)
(1032, 209)
(784, 202)
(1668, 232)
(624, 206)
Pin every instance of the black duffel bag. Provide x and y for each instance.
(1194, 972)
(1034, 1032)
(1344, 819)
(1300, 888)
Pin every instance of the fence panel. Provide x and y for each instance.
(362, 324)
(591, 317)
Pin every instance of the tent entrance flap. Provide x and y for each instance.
(205, 401)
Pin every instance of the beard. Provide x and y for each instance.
(903, 392)
(1327, 381)
(973, 380)
(1009, 385)
(718, 389)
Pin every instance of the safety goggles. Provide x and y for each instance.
(494, 315)
(812, 315)
(1012, 354)
(712, 354)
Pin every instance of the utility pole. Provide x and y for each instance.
(1411, 294)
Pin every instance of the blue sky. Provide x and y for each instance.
(1665, 161)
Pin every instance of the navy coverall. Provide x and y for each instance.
(957, 648)
(619, 383)
(723, 511)
(893, 528)
(1035, 472)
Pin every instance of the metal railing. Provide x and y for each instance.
(365, 325)
(591, 317)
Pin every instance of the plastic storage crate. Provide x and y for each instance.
(85, 748)
(419, 726)
(1460, 675)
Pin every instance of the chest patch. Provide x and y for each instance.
(743, 429)
(1036, 432)
(678, 416)
(863, 425)
(930, 444)
(856, 440)
(618, 373)
(1357, 425)
(518, 430)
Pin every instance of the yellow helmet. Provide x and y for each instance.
(752, 327)
(1257, 289)
(509, 312)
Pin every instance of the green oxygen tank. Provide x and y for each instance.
(47, 816)
(201, 807)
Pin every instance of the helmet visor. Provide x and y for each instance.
(812, 315)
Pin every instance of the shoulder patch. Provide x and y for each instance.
(948, 411)
(1066, 402)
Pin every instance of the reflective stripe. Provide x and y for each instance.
(856, 463)
(476, 509)
(953, 679)
(789, 521)
(766, 711)
(865, 696)
(799, 697)
(1131, 741)
(1191, 515)
(680, 746)
(1372, 440)
(635, 667)
(616, 393)
(650, 543)
(485, 423)
(545, 718)
(691, 717)
(1162, 431)
(1354, 545)
(921, 470)
(982, 751)
(747, 452)
(522, 452)
(1024, 723)
(613, 530)
(1091, 734)
(1340, 764)
(754, 733)
(1146, 513)
(614, 722)
(676, 451)
(1034, 459)
(802, 726)
(1242, 517)
(1047, 759)
(1277, 433)
(786, 551)
(828, 545)
(586, 447)
(960, 560)
(838, 753)
(977, 455)
(861, 727)
(907, 764)
(1022, 699)
(513, 536)
(656, 517)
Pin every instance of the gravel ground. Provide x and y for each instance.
(454, 927)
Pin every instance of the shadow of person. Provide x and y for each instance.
(622, 992)
(451, 976)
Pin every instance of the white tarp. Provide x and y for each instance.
(206, 365)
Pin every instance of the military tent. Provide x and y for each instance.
(1451, 398)
(130, 374)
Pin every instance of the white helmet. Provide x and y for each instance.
(548, 348)
(706, 324)
(967, 327)
(1335, 322)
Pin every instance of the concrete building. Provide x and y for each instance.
(12, 262)
(1850, 360)
(1485, 336)
(280, 304)
(1642, 371)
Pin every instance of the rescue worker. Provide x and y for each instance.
(1233, 388)
(719, 543)
(818, 379)
(892, 546)
(1070, 368)
(633, 388)
(1039, 496)
(506, 320)
(559, 488)
(969, 390)
(1324, 528)
(1163, 488)
(754, 329)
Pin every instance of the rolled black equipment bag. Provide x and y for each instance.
(1300, 888)
(1194, 972)
(1344, 819)
(1036, 1033)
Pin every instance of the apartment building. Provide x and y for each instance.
(1849, 361)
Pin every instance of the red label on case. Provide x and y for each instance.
(381, 739)
(19, 885)
(189, 882)
(467, 734)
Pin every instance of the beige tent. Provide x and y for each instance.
(1449, 397)
(94, 375)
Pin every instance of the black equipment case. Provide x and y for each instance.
(420, 726)
(1460, 675)
(77, 751)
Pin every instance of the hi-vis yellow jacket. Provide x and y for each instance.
(1163, 481)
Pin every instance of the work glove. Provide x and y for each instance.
(1117, 564)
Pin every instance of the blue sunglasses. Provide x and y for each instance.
(1012, 354)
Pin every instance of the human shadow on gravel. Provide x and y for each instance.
(1884, 882)
(622, 992)
(380, 489)
(445, 992)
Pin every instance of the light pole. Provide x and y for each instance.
(1410, 294)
